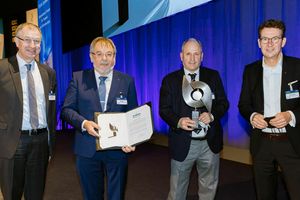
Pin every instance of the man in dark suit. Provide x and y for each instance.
(27, 117)
(106, 90)
(186, 149)
(269, 100)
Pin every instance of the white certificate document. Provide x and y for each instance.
(121, 129)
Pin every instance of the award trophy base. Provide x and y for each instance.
(198, 131)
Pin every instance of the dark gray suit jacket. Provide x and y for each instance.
(11, 104)
(252, 98)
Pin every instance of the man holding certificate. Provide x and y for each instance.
(100, 89)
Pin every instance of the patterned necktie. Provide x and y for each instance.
(102, 91)
(193, 76)
(34, 120)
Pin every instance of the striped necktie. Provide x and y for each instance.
(102, 91)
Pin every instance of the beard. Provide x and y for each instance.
(104, 71)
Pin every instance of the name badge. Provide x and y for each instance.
(292, 94)
(51, 96)
(121, 101)
(213, 96)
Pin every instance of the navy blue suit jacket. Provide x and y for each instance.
(172, 107)
(82, 101)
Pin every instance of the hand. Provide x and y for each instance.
(205, 117)
(90, 127)
(186, 124)
(128, 149)
(258, 121)
(281, 119)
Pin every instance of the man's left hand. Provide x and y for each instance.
(281, 119)
(128, 149)
(205, 118)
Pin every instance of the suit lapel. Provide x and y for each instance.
(15, 72)
(284, 81)
(45, 80)
(259, 85)
(178, 88)
(114, 88)
(91, 84)
(179, 79)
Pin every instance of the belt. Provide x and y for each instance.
(199, 138)
(34, 131)
(275, 136)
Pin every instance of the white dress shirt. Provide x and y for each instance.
(40, 95)
(272, 77)
(107, 83)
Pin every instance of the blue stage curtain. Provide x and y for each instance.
(228, 32)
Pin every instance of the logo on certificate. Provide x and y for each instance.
(114, 130)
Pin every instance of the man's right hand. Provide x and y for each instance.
(90, 127)
(186, 124)
(258, 121)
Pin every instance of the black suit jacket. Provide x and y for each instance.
(11, 101)
(172, 107)
(252, 98)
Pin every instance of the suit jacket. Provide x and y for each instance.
(252, 98)
(82, 101)
(172, 107)
(11, 101)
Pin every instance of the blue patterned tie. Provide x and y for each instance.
(102, 91)
(34, 120)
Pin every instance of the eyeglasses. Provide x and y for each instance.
(274, 40)
(99, 54)
(29, 40)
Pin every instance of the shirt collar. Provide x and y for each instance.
(187, 72)
(109, 75)
(22, 63)
(276, 69)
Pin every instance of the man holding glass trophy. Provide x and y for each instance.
(192, 102)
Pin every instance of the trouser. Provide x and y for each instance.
(111, 165)
(207, 164)
(30, 166)
(266, 161)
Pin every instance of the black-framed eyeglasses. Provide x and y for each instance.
(30, 40)
(274, 40)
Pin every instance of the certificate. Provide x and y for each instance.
(121, 129)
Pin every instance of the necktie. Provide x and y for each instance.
(34, 120)
(102, 91)
(193, 76)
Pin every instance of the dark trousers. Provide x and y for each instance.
(6, 174)
(271, 155)
(92, 172)
(30, 167)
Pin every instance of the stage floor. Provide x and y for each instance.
(148, 176)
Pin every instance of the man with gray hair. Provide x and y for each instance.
(100, 89)
(27, 117)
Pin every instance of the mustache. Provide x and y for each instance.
(104, 63)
